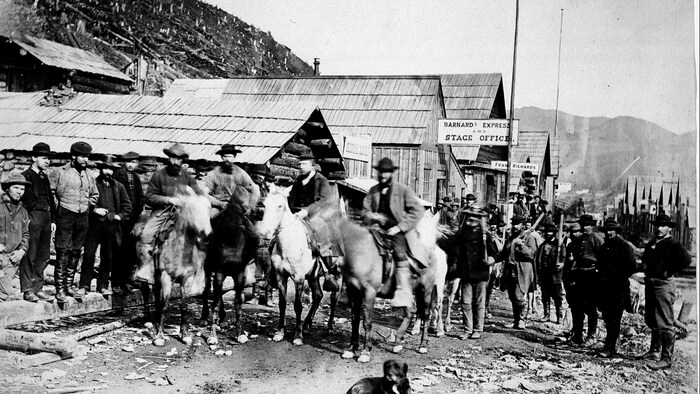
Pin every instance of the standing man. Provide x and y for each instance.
(460, 216)
(39, 202)
(112, 208)
(663, 258)
(128, 176)
(14, 232)
(550, 272)
(496, 226)
(477, 252)
(224, 178)
(615, 263)
(519, 207)
(76, 193)
(399, 211)
(309, 192)
(518, 255)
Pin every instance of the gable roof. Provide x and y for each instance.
(391, 109)
(533, 147)
(116, 124)
(67, 57)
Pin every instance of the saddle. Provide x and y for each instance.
(388, 267)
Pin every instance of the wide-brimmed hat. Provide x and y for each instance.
(663, 220)
(610, 224)
(80, 148)
(15, 179)
(470, 197)
(446, 200)
(574, 227)
(550, 227)
(42, 149)
(107, 163)
(307, 156)
(227, 149)
(385, 165)
(586, 220)
(176, 150)
(259, 169)
(128, 156)
(518, 219)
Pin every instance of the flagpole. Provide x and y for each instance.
(512, 99)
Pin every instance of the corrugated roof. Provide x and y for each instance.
(531, 148)
(69, 58)
(145, 124)
(392, 110)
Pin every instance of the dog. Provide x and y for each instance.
(394, 381)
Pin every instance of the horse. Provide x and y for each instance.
(362, 274)
(177, 259)
(231, 252)
(291, 257)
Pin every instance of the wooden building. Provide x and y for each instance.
(536, 147)
(270, 133)
(30, 64)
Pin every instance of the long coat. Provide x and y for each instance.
(615, 263)
(406, 209)
(136, 196)
(322, 191)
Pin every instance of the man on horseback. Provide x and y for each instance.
(227, 176)
(309, 192)
(399, 211)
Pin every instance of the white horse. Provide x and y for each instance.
(292, 258)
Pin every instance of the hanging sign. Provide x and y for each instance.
(357, 148)
(503, 166)
(476, 132)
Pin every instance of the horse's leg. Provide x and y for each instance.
(217, 302)
(185, 334)
(146, 294)
(439, 297)
(298, 309)
(370, 296)
(331, 317)
(239, 280)
(282, 280)
(204, 319)
(454, 285)
(401, 332)
(316, 297)
(424, 300)
(355, 299)
(162, 289)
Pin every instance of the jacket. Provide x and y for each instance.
(470, 248)
(163, 186)
(120, 201)
(222, 184)
(75, 191)
(546, 261)
(406, 209)
(322, 191)
(14, 226)
(31, 193)
(136, 196)
(584, 253)
(664, 258)
(615, 263)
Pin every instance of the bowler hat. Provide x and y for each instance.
(611, 224)
(176, 150)
(471, 197)
(517, 219)
(107, 163)
(259, 169)
(307, 156)
(446, 200)
(586, 220)
(128, 156)
(663, 220)
(42, 149)
(15, 179)
(385, 165)
(228, 149)
(80, 148)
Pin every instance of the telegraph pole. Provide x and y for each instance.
(512, 99)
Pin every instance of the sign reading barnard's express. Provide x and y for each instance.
(476, 132)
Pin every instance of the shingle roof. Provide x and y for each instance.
(66, 57)
(650, 187)
(393, 110)
(117, 124)
(532, 148)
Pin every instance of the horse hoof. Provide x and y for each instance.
(242, 339)
(347, 354)
(212, 340)
(440, 334)
(278, 337)
(148, 325)
(298, 342)
(364, 358)
(414, 332)
(187, 340)
(448, 328)
(422, 350)
(160, 342)
(397, 349)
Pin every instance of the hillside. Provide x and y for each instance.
(595, 151)
(179, 38)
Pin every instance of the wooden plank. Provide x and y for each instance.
(25, 341)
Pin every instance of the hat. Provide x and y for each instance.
(536, 196)
(446, 200)
(128, 156)
(15, 179)
(550, 227)
(471, 197)
(586, 220)
(284, 181)
(176, 150)
(107, 163)
(269, 178)
(517, 219)
(663, 220)
(475, 213)
(228, 149)
(80, 148)
(574, 227)
(385, 165)
(259, 169)
(544, 202)
(454, 203)
(307, 156)
(42, 149)
(611, 224)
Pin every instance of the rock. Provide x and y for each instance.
(213, 347)
(162, 382)
(128, 349)
(533, 386)
(511, 384)
(543, 373)
(172, 352)
(54, 373)
(228, 352)
(95, 341)
(133, 376)
(219, 352)
(628, 332)
(140, 360)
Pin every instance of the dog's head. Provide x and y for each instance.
(395, 374)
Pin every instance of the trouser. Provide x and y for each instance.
(551, 291)
(122, 272)
(473, 304)
(579, 311)
(71, 230)
(34, 262)
(612, 316)
(101, 234)
(660, 295)
(493, 282)
(6, 289)
(520, 277)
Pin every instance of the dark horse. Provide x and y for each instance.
(231, 252)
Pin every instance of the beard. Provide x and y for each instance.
(173, 169)
(107, 177)
(227, 167)
(79, 166)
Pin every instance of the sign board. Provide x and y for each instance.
(357, 148)
(476, 132)
(564, 187)
(502, 165)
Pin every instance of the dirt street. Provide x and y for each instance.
(533, 360)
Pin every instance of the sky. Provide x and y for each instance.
(618, 57)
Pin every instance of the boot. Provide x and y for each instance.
(560, 315)
(546, 306)
(403, 296)
(388, 273)
(59, 275)
(654, 352)
(71, 267)
(330, 283)
(667, 343)
(518, 311)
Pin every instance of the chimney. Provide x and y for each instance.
(317, 64)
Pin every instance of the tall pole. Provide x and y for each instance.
(556, 112)
(512, 99)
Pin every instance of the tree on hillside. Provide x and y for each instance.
(17, 18)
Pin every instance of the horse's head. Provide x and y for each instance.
(275, 207)
(194, 212)
(429, 230)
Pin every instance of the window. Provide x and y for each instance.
(427, 179)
